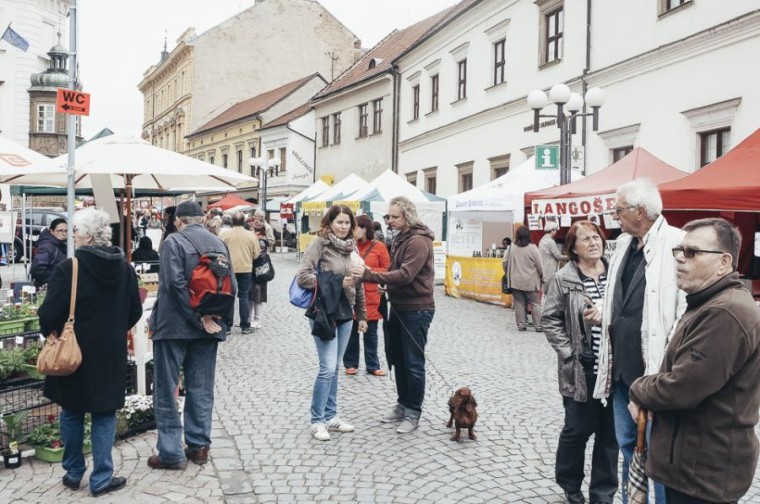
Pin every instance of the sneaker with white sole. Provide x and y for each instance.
(396, 415)
(256, 324)
(338, 425)
(408, 425)
(319, 432)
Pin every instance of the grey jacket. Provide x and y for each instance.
(173, 317)
(564, 300)
(550, 258)
(523, 265)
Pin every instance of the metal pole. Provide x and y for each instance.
(562, 150)
(71, 125)
(23, 236)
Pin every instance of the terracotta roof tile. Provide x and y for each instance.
(286, 118)
(255, 105)
(392, 46)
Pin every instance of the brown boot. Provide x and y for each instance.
(155, 463)
(199, 456)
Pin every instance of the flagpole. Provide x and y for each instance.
(71, 127)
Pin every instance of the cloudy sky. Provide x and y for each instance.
(119, 40)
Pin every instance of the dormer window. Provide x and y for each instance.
(374, 62)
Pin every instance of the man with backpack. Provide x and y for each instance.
(196, 298)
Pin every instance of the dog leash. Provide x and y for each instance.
(427, 357)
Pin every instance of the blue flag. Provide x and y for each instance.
(15, 39)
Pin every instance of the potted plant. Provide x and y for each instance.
(14, 423)
(11, 364)
(30, 362)
(135, 417)
(11, 319)
(48, 442)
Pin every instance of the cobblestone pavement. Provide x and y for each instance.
(263, 452)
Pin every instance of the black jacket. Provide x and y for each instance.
(108, 305)
(50, 253)
(331, 307)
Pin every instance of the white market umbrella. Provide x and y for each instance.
(131, 162)
(15, 157)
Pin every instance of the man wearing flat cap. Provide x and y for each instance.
(184, 340)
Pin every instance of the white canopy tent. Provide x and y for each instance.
(376, 196)
(341, 190)
(312, 191)
(491, 210)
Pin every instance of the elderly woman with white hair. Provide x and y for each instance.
(107, 306)
(550, 254)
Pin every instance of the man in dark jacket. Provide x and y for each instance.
(706, 397)
(184, 340)
(51, 250)
(411, 283)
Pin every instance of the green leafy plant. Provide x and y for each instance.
(31, 354)
(11, 362)
(11, 312)
(14, 423)
(48, 435)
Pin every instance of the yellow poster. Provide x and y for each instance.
(476, 278)
(304, 240)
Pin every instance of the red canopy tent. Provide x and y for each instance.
(231, 201)
(595, 194)
(729, 187)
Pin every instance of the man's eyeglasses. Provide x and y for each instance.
(618, 210)
(690, 252)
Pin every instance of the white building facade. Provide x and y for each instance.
(676, 74)
(39, 22)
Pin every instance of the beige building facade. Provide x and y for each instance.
(271, 43)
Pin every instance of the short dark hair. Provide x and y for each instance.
(238, 219)
(522, 236)
(55, 223)
(506, 241)
(365, 222)
(332, 213)
(572, 236)
(728, 238)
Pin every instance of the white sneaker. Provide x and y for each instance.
(256, 324)
(319, 432)
(338, 425)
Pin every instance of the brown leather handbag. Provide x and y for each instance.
(61, 355)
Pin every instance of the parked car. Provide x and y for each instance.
(36, 220)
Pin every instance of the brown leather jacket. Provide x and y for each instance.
(706, 396)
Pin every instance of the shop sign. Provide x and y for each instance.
(547, 157)
(575, 207)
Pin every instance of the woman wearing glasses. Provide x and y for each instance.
(572, 323)
(51, 250)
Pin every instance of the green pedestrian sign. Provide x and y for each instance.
(547, 157)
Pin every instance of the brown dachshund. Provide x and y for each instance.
(462, 406)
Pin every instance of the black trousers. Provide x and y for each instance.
(676, 497)
(582, 419)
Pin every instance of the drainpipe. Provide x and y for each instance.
(396, 121)
(584, 81)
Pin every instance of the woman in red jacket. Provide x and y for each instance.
(376, 257)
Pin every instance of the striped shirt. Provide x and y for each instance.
(595, 291)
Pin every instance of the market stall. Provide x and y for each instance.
(729, 187)
(313, 208)
(478, 220)
(593, 197)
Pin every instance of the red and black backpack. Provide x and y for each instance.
(210, 283)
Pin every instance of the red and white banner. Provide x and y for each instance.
(575, 207)
(287, 210)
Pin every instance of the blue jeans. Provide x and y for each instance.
(244, 289)
(324, 400)
(626, 433)
(351, 357)
(103, 433)
(407, 332)
(197, 358)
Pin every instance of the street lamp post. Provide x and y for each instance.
(264, 169)
(569, 106)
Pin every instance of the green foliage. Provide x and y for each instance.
(11, 433)
(48, 435)
(11, 362)
(31, 354)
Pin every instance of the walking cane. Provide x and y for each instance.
(638, 483)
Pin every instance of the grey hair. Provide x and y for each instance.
(238, 219)
(214, 224)
(551, 226)
(191, 219)
(642, 193)
(96, 224)
(408, 208)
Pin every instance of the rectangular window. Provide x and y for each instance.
(555, 27)
(416, 102)
(46, 118)
(621, 152)
(412, 178)
(430, 180)
(672, 4)
(253, 152)
(283, 158)
(713, 144)
(363, 117)
(434, 93)
(270, 154)
(224, 160)
(462, 80)
(211, 159)
(377, 116)
(499, 61)
(240, 161)
(465, 176)
(336, 128)
(499, 166)
(325, 131)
